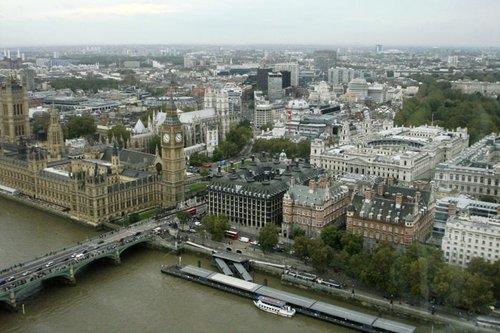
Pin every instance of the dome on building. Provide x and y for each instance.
(298, 104)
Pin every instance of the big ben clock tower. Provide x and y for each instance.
(172, 148)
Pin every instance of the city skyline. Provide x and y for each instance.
(426, 23)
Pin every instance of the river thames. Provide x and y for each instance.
(133, 296)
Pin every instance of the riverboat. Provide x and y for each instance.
(274, 306)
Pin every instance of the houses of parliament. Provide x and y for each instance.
(102, 186)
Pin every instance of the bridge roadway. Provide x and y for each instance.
(19, 279)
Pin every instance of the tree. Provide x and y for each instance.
(133, 217)
(332, 237)
(300, 244)
(420, 263)
(153, 144)
(297, 232)
(477, 296)
(77, 127)
(197, 159)
(448, 285)
(379, 272)
(266, 126)
(490, 271)
(215, 225)
(352, 243)
(119, 134)
(183, 216)
(356, 264)
(321, 257)
(268, 237)
(228, 149)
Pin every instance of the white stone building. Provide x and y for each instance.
(467, 237)
(293, 68)
(402, 153)
(475, 171)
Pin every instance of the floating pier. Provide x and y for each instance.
(306, 306)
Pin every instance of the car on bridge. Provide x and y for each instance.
(49, 264)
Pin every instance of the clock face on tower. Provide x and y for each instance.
(178, 137)
(166, 138)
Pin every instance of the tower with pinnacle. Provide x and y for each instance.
(14, 111)
(172, 148)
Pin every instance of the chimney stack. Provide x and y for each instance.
(380, 189)
(369, 194)
(452, 208)
(399, 200)
(312, 186)
(417, 197)
(292, 181)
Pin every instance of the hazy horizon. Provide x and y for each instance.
(426, 23)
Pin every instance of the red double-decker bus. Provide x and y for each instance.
(191, 211)
(231, 234)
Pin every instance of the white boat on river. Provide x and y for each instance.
(274, 306)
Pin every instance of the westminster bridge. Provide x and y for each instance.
(21, 279)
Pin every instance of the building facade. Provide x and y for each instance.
(99, 187)
(405, 154)
(291, 67)
(274, 86)
(467, 237)
(312, 207)
(452, 206)
(389, 213)
(252, 196)
(475, 171)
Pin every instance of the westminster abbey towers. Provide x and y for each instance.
(172, 148)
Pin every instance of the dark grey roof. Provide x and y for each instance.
(243, 272)
(339, 312)
(285, 296)
(135, 173)
(221, 264)
(385, 205)
(230, 257)
(268, 178)
(131, 158)
(302, 194)
(248, 188)
(393, 326)
(197, 271)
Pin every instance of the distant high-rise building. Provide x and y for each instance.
(453, 61)
(293, 68)
(274, 86)
(359, 88)
(340, 75)
(28, 78)
(285, 79)
(379, 48)
(325, 59)
(262, 77)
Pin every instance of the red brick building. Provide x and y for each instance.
(390, 213)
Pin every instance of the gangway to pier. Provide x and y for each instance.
(243, 272)
(239, 265)
(223, 267)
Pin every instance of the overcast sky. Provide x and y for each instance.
(326, 22)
